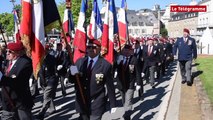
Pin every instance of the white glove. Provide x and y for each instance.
(142, 74)
(66, 81)
(119, 59)
(1, 75)
(73, 70)
(113, 110)
(175, 57)
(138, 87)
(31, 82)
(59, 67)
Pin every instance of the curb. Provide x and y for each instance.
(165, 104)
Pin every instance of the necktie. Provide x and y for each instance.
(149, 50)
(126, 63)
(9, 67)
(89, 69)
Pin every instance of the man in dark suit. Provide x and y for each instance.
(94, 73)
(187, 51)
(128, 75)
(151, 60)
(62, 62)
(138, 53)
(48, 82)
(17, 101)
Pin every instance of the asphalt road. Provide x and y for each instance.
(153, 107)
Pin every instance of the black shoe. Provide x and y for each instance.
(152, 85)
(126, 117)
(189, 83)
(141, 98)
(39, 117)
(183, 82)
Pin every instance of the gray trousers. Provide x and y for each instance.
(185, 68)
(49, 94)
(91, 117)
(152, 74)
(127, 100)
(18, 115)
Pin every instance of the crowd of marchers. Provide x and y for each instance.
(138, 62)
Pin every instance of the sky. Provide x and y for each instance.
(6, 5)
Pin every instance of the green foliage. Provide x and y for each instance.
(76, 5)
(163, 32)
(7, 22)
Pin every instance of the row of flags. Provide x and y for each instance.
(37, 19)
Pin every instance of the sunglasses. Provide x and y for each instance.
(10, 51)
(93, 47)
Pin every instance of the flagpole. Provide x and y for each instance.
(68, 47)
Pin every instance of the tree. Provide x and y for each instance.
(75, 8)
(76, 5)
(6, 20)
(163, 30)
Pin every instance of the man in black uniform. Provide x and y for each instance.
(128, 75)
(94, 73)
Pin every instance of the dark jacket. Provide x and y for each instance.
(152, 59)
(16, 85)
(47, 72)
(94, 92)
(127, 77)
(186, 50)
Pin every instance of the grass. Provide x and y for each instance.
(206, 65)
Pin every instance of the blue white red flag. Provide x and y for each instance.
(68, 23)
(80, 34)
(17, 26)
(95, 27)
(122, 23)
(109, 29)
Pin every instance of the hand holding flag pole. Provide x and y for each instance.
(68, 47)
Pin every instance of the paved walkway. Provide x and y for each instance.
(189, 102)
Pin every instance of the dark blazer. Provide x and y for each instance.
(127, 78)
(94, 91)
(186, 50)
(151, 60)
(47, 72)
(63, 59)
(16, 84)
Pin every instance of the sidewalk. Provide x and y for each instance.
(189, 102)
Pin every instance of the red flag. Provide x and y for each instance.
(107, 44)
(80, 34)
(122, 24)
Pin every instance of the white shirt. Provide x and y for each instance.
(95, 59)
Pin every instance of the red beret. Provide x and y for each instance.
(93, 42)
(15, 46)
(186, 30)
(136, 41)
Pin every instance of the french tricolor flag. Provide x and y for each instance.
(109, 29)
(122, 23)
(68, 23)
(95, 27)
(17, 26)
(80, 34)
